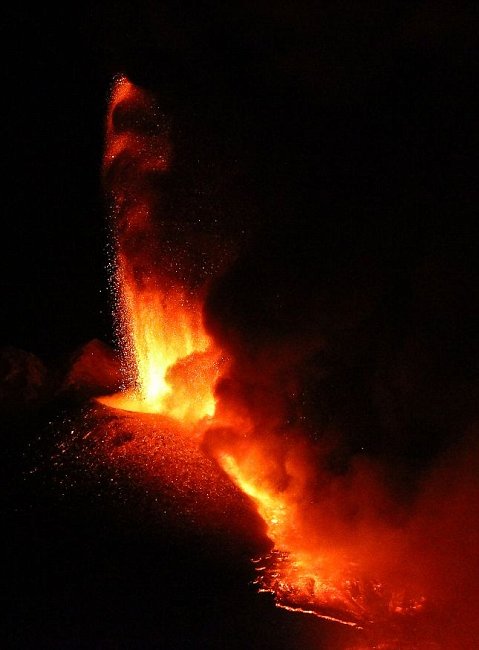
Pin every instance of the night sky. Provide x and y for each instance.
(327, 151)
(354, 128)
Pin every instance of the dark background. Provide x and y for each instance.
(53, 241)
(351, 130)
(357, 125)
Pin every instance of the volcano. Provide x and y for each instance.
(273, 444)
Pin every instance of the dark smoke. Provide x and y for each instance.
(352, 315)
(330, 153)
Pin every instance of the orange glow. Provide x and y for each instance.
(150, 149)
(301, 576)
(270, 506)
(332, 550)
(170, 364)
(170, 358)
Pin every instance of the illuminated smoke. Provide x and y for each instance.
(371, 527)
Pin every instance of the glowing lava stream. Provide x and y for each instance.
(295, 578)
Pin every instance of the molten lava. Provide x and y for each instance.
(301, 574)
(171, 367)
(170, 364)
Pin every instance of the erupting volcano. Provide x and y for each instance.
(239, 357)
(339, 542)
(171, 365)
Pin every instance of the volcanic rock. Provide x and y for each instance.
(92, 369)
(23, 378)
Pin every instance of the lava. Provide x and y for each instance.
(325, 559)
(170, 363)
(303, 572)
(171, 367)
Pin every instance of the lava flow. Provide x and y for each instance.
(309, 570)
(170, 364)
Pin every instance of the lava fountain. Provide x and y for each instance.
(170, 364)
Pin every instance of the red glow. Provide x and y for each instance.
(170, 363)
(324, 562)
(171, 368)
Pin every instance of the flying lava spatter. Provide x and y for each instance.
(170, 363)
